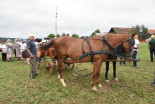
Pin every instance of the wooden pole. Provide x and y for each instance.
(56, 23)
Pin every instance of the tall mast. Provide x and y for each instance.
(56, 23)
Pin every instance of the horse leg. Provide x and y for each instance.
(114, 71)
(106, 74)
(96, 68)
(60, 67)
(98, 74)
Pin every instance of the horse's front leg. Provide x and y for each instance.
(96, 72)
(114, 71)
(106, 74)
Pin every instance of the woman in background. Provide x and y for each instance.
(18, 50)
(135, 50)
(9, 50)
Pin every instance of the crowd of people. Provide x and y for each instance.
(16, 49)
(21, 49)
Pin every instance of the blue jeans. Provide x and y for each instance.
(134, 57)
(122, 62)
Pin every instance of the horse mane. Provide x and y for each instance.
(47, 45)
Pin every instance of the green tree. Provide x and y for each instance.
(63, 34)
(141, 31)
(58, 35)
(51, 36)
(144, 32)
(96, 31)
(75, 35)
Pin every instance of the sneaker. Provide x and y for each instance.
(36, 74)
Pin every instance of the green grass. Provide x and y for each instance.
(133, 86)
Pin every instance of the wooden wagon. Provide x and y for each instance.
(52, 62)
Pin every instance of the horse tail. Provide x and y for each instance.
(47, 46)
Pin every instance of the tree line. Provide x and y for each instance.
(63, 34)
(141, 30)
(73, 35)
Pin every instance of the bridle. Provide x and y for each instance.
(131, 43)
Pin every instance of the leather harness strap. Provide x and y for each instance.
(92, 53)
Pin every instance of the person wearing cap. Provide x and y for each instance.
(151, 46)
(3, 48)
(9, 46)
(135, 50)
(32, 50)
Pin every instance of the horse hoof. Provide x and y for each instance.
(107, 81)
(116, 79)
(94, 88)
(58, 76)
(64, 84)
(100, 85)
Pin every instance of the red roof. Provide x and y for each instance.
(120, 30)
(151, 31)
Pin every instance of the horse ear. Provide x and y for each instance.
(133, 35)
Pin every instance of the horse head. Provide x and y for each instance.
(128, 45)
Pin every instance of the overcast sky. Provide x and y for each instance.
(19, 18)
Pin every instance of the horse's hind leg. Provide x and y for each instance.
(96, 72)
(114, 71)
(60, 67)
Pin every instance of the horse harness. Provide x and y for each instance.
(115, 52)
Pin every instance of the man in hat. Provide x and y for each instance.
(151, 46)
(32, 50)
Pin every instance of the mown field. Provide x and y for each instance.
(133, 86)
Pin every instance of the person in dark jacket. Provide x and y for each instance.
(151, 46)
(32, 50)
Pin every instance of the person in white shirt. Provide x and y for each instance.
(135, 50)
(4, 50)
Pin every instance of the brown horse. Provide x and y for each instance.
(72, 47)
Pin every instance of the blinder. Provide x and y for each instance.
(131, 43)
